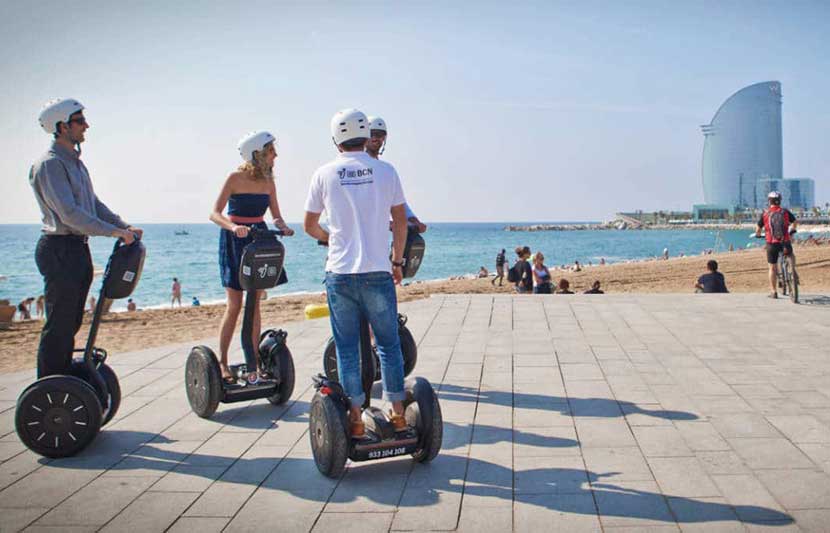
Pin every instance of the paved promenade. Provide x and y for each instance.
(561, 413)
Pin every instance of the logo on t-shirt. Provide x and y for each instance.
(360, 176)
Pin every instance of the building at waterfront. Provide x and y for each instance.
(743, 155)
(743, 144)
(795, 192)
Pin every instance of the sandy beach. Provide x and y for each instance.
(745, 271)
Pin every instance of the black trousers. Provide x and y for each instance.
(66, 267)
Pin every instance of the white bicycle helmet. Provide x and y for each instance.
(58, 110)
(774, 195)
(253, 142)
(377, 123)
(349, 124)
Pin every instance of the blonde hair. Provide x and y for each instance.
(258, 167)
(538, 257)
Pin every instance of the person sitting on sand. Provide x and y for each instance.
(712, 281)
(594, 289)
(247, 193)
(577, 267)
(195, 302)
(541, 275)
(564, 286)
(482, 272)
(130, 305)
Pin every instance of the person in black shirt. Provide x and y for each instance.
(712, 281)
(500, 260)
(594, 289)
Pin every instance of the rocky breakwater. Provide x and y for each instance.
(563, 227)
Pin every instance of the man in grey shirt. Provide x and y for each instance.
(71, 212)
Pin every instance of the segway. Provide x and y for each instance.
(331, 443)
(260, 268)
(413, 249)
(58, 416)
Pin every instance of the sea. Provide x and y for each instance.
(189, 252)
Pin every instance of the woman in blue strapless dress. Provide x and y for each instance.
(247, 193)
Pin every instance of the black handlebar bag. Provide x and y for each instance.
(124, 270)
(413, 253)
(261, 264)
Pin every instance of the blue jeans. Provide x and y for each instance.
(371, 295)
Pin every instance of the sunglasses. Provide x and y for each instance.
(80, 120)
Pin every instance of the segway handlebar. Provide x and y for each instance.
(257, 232)
(793, 231)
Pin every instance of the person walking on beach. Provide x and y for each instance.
(247, 193)
(40, 307)
(24, 309)
(541, 275)
(359, 193)
(71, 212)
(713, 281)
(176, 292)
(778, 223)
(500, 261)
(375, 147)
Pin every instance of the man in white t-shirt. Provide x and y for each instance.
(359, 194)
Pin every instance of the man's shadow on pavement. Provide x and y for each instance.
(585, 407)
(567, 490)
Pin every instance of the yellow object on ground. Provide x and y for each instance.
(316, 311)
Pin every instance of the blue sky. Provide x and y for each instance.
(526, 111)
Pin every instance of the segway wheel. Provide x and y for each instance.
(329, 439)
(409, 350)
(58, 416)
(369, 374)
(286, 386)
(330, 360)
(114, 392)
(423, 412)
(79, 370)
(203, 381)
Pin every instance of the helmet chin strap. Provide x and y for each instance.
(382, 147)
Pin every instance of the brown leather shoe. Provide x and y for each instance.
(357, 429)
(398, 421)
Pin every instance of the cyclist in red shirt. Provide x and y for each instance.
(778, 224)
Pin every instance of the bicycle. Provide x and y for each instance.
(787, 274)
